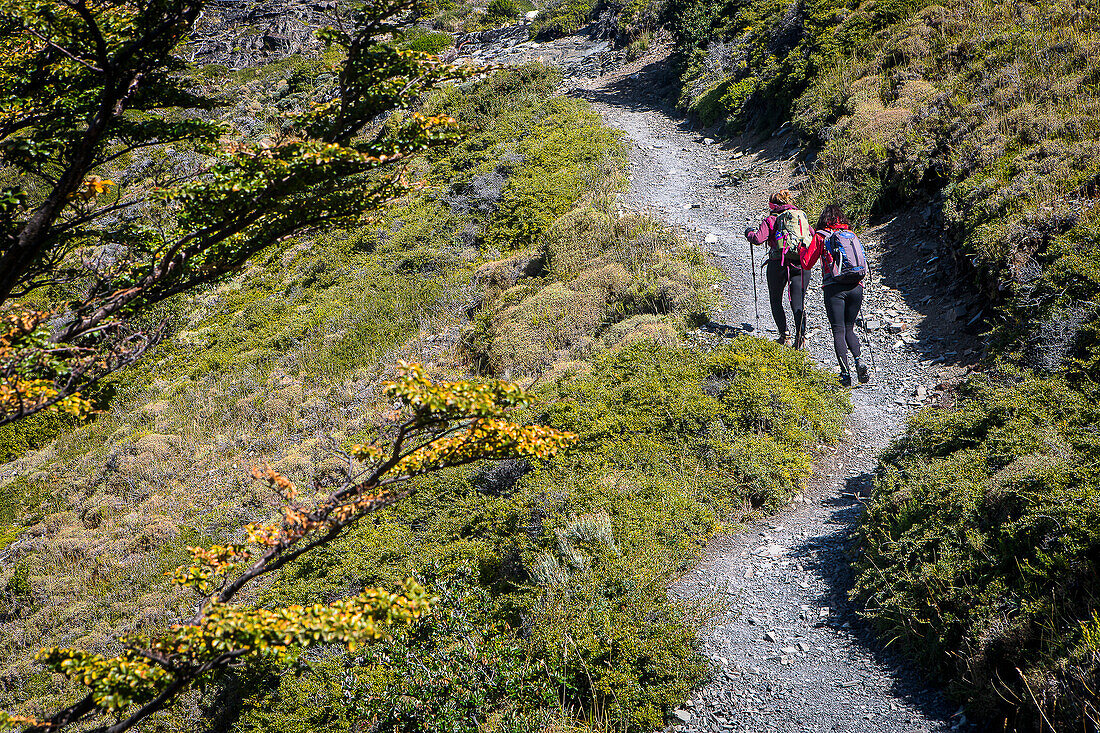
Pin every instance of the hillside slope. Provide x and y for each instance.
(514, 258)
(981, 554)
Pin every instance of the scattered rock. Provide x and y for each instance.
(771, 550)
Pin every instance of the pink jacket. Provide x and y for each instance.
(766, 232)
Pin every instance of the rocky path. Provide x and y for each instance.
(790, 653)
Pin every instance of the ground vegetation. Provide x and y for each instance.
(550, 577)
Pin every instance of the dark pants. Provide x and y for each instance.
(842, 304)
(794, 280)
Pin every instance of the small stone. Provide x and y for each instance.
(789, 650)
(711, 239)
(708, 141)
(683, 715)
(770, 637)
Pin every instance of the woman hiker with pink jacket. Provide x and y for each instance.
(784, 270)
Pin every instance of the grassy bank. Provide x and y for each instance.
(982, 554)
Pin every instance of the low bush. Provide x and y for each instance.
(425, 41)
(594, 270)
(981, 550)
(502, 10)
(31, 433)
(637, 21)
(553, 577)
(563, 18)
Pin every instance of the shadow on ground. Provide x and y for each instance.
(913, 264)
(830, 556)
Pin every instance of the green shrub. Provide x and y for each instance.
(564, 18)
(564, 154)
(981, 549)
(425, 41)
(637, 20)
(31, 433)
(502, 10)
(553, 577)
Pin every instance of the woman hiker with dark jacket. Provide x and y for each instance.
(784, 270)
(842, 300)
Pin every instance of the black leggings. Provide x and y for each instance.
(786, 276)
(842, 304)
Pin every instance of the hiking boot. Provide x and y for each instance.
(800, 343)
(862, 372)
(785, 340)
(845, 380)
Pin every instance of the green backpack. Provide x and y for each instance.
(792, 229)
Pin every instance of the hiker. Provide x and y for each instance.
(843, 268)
(786, 230)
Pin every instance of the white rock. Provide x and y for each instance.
(771, 550)
(531, 15)
(711, 239)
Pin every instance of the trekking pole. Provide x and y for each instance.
(755, 297)
(863, 317)
(806, 275)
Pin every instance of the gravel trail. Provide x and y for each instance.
(789, 652)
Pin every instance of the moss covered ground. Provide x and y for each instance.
(553, 612)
